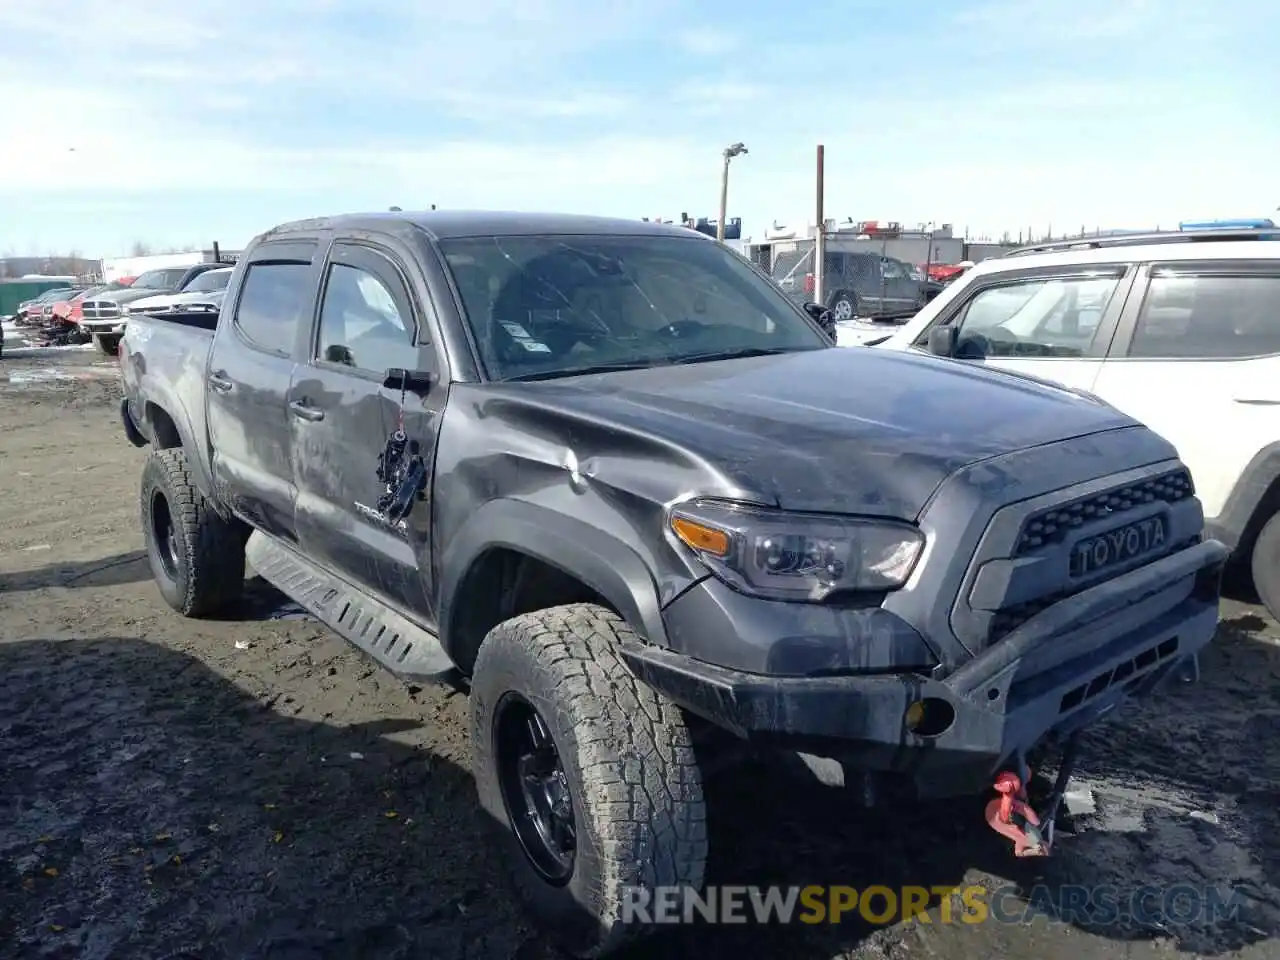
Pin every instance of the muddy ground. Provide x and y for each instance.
(252, 789)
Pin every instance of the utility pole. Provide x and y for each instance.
(820, 238)
(731, 151)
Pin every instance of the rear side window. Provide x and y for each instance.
(1209, 316)
(272, 300)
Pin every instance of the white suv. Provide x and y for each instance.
(1178, 330)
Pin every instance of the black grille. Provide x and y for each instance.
(1005, 621)
(1051, 526)
(1130, 671)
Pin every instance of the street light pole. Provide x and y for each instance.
(731, 151)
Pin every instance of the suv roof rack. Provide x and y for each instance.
(1138, 239)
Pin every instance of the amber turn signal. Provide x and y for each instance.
(700, 537)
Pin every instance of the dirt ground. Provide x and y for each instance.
(251, 788)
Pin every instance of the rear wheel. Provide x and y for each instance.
(589, 774)
(197, 557)
(1265, 564)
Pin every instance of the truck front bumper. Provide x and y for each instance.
(1060, 671)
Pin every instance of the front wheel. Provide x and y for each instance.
(844, 306)
(589, 774)
(107, 343)
(1265, 566)
(197, 556)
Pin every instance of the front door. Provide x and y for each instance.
(248, 377)
(1051, 324)
(900, 290)
(342, 417)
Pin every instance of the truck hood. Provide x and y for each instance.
(129, 295)
(867, 432)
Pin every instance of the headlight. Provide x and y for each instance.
(124, 311)
(793, 556)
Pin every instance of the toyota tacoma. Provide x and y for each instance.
(607, 472)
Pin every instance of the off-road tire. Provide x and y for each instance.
(1265, 565)
(208, 549)
(629, 760)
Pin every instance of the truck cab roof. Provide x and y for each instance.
(458, 224)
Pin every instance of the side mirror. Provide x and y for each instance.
(826, 319)
(942, 341)
(336, 353)
(410, 381)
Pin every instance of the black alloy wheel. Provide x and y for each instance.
(535, 789)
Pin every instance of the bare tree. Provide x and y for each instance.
(140, 249)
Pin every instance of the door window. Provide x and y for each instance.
(1050, 317)
(361, 324)
(892, 269)
(1220, 317)
(272, 300)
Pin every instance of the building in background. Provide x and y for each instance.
(113, 268)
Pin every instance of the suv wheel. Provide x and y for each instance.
(196, 556)
(589, 774)
(1265, 563)
(844, 305)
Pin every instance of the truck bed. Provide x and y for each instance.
(164, 361)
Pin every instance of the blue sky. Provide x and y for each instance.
(185, 122)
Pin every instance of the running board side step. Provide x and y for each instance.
(399, 645)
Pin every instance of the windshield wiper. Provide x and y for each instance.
(582, 371)
(733, 354)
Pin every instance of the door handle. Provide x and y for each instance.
(219, 381)
(304, 411)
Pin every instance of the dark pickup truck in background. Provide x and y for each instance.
(608, 473)
(105, 313)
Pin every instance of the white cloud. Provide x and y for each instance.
(707, 41)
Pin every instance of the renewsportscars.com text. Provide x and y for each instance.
(1179, 904)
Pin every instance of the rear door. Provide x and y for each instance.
(1197, 358)
(341, 417)
(250, 368)
(1054, 323)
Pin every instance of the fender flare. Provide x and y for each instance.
(600, 560)
(1238, 522)
(197, 460)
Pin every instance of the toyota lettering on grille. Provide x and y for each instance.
(1118, 546)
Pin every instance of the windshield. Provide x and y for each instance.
(208, 281)
(159, 279)
(558, 305)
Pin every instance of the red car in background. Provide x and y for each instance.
(70, 308)
(946, 272)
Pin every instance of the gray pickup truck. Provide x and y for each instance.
(611, 475)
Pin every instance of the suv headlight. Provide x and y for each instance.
(796, 556)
